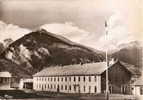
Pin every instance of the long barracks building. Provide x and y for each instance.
(86, 78)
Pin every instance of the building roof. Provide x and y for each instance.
(78, 69)
(27, 80)
(5, 74)
(84, 69)
(138, 81)
(131, 68)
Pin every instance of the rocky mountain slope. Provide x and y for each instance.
(40, 49)
(131, 53)
(7, 65)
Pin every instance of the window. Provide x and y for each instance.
(69, 78)
(89, 89)
(42, 87)
(65, 78)
(58, 78)
(51, 78)
(51, 86)
(69, 87)
(54, 78)
(61, 87)
(141, 90)
(37, 85)
(74, 88)
(74, 79)
(62, 79)
(84, 78)
(89, 78)
(95, 89)
(79, 78)
(84, 88)
(65, 87)
(95, 78)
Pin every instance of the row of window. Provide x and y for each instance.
(67, 78)
(58, 88)
(5, 80)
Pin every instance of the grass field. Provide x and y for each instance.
(21, 95)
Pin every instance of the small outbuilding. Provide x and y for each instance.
(26, 83)
(7, 81)
(137, 87)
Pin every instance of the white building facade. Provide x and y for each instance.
(68, 84)
(138, 87)
(5, 80)
(26, 83)
(84, 78)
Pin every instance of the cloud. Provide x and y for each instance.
(11, 31)
(117, 31)
(117, 34)
(67, 29)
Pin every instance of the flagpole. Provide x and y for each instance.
(107, 63)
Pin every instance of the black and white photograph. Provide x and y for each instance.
(71, 49)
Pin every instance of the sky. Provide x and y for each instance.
(81, 21)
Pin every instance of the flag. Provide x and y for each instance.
(106, 26)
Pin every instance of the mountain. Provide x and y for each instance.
(1, 47)
(41, 49)
(131, 52)
(5, 44)
(6, 65)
